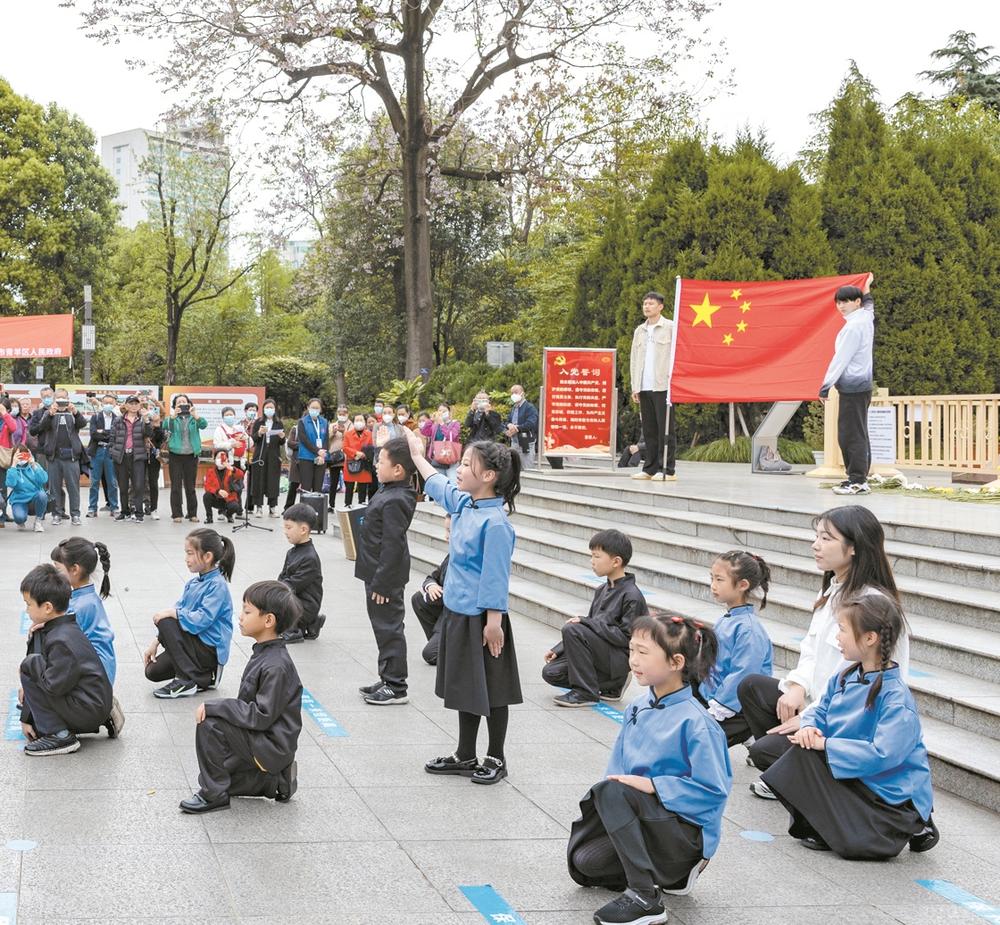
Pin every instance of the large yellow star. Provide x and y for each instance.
(741, 327)
(703, 313)
(727, 339)
(745, 307)
(736, 293)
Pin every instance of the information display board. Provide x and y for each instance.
(208, 401)
(579, 402)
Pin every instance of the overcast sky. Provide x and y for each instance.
(786, 58)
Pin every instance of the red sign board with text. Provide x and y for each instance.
(36, 337)
(578, 401)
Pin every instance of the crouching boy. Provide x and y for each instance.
(246, 746)
(64, 687)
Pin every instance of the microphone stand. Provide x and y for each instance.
(245, 523)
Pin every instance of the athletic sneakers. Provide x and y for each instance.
(385, 696)
(573, 699)
(176, 688)
(759, 789)
(657, 476)
(371, 688)
(852, 488)
(197, 804)
(59, 743)
(38, 525)
(685, 886)
(642, 476)
(115, 723)
(631, 908)
(215, 682)
(615, 696)
(75, 520)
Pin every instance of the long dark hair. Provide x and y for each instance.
(682, 636)
(869, 565)
(873, 613)
(76, 550)
(495, 457)
(746, 565)
(219, 547)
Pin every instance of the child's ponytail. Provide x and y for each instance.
(219, 547)
(105, 556)
(682, 636)
(81, 552)
(495, 457)
(749, 567)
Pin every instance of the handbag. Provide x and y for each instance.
(355, 466)
(6, 457)
(445, 452)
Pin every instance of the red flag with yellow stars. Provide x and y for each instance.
(763, 341)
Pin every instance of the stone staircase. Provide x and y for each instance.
(949, 580)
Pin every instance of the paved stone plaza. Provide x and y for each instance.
(370, 837)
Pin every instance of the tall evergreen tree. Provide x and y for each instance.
(972, 71)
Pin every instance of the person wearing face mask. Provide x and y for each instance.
(58, 434)
(232, 437)
(102, 466)
(12, 431)
(522, 424)
(129, 449)
(443, 447)
(387, 428)
(184, 446)
(26, 484)
(357, 472)
(335, 457)
(313, 430)
(223, 488)
(45, 400)
(153, 464)
(250, 415)
(268, 435)
(482, 422)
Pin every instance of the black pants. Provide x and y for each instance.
(49, 713)
(429, 615)
(653, 408)
(311, 476)
(849, 817)
(852, 435)
(230, 507)
(183, 474)
(334, 484)
(153, 483)
(588, 664)
(131, 475)
(363, 492)
(184, 656)
(264, 480)
(623, 853)
(736, 728)
(387, 624)
(293, 492)
(759, 696)
(226, 764)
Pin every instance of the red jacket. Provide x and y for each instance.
(232, 481)
(353, 443)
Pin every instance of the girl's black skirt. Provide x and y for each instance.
(469, 679)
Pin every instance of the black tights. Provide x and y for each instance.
(468, 732)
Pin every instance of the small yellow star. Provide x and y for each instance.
(727, 339)
(703, 312)
(745, 307)
(736, 293)
(741, 327)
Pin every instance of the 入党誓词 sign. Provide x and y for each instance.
(578, 401)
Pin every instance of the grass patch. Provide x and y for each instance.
(721, 450)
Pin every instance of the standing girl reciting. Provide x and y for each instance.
(477, 666)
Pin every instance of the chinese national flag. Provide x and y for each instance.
(764, 341)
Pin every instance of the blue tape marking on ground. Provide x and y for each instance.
(25, 622)
(8, 908)
(12, 728)
(959, 897)
(21, 844)
(750, 835)
(491, 905)
(609, 712)
(920, 674)
(319, 715)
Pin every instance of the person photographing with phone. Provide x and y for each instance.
(183, 428)
(58, 431)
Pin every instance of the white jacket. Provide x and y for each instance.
(663, 335)
(819, 657)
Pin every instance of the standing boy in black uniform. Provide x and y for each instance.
(64, 687)
(592, 659)
(303, 572)
(383, 564)
(428, 603)
(246, 745)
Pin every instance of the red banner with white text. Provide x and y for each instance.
(36, 337)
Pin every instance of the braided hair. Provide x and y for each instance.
(682, 636)
(495, 457)
(874, 613)
(746, 566)
(79, 551)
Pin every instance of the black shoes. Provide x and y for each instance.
(573, 699)
(293, 636)
(631, 908)
(926, 839)
(452, 764)
(176, 688)
(385, 696)
(371, 688)
(58, 743)
(814, 843)
(314, 631)
(288, 783)
(197, 804)
(115, 723)
(491, 771)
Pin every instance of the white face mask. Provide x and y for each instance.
(482, 405)
(387, 418)
(403, 418)
(359, 425)
(342, 418)
(516, 397)
(445, 415)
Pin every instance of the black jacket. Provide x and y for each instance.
(268, 705)
(62, 661)
(527, 424)
(45, 428)
(383, 555)
(267, 449)
(483, 425)
(141, 429)
(100, 431)
(613, 611)
(303, 573)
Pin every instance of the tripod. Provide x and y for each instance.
(246, 509)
